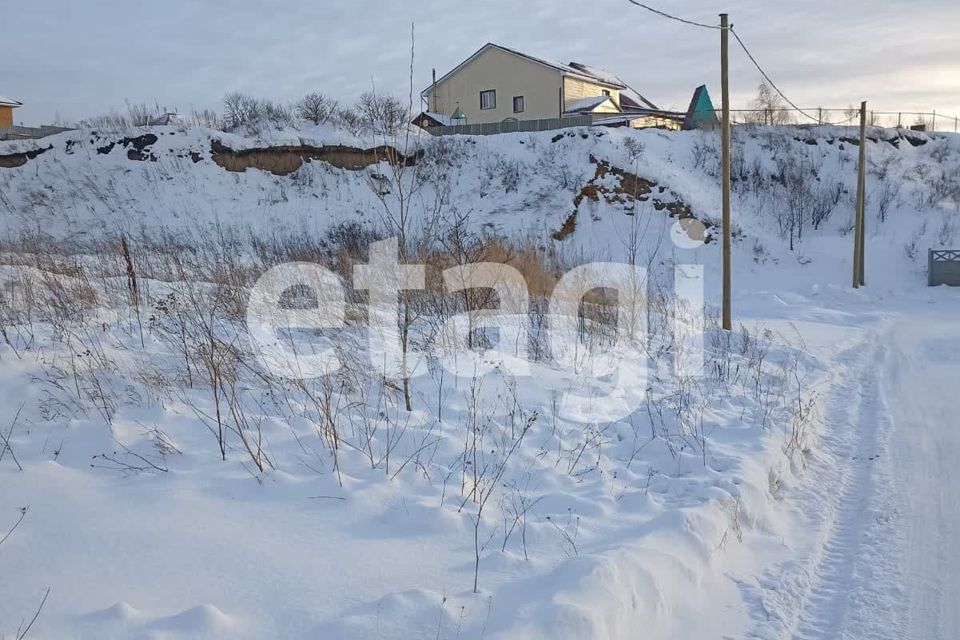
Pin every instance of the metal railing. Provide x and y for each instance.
(944, 267)
(915, 120)
(493, 128)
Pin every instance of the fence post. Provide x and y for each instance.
(819, 115)
(933, 125)
(929, 267)
(899, 118)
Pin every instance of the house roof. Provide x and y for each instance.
(585, 105)
(565, 69)
(627, 93)
(439, 118)
(623, 118)
(9, 102)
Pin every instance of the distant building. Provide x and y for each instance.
(498, 84)
(167, 119)
(7, 105)
(700, 113)
(9, 131)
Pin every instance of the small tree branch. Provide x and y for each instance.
(23, 634)
(6, 440)
(23, 514)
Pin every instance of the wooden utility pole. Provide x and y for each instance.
(863, 195)
(725, 128)
(859, 237)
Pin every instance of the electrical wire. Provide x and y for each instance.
(667, 15)
(742, 46)
(767, 78)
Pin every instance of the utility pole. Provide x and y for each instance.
(859, 237)
(725, 128)
(863, 195)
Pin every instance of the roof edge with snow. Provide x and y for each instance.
(564, 69)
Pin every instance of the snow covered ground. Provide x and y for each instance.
(803, 487)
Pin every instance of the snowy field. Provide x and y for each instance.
(159, 483)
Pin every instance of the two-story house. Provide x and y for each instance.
(498, 84)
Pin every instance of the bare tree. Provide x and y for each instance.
(240, 109)
(770, 107)
(349, 120)
(806, 200)
(316, 107)
(383, 115)
(402, 193)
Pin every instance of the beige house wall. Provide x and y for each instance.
(575, 89)
(509, 75)
(649, 122)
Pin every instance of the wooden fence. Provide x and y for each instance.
(944, 267)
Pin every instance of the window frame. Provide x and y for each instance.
(491, 92)
(523, 104)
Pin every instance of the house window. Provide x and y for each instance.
(488, 99)
(518, 104)
(606, 92)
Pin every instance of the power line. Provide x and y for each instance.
(667, 15)
(739, 41)
(766, 77)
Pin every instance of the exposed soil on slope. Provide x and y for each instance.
(13, 160)
(630, 189)
(284, 160)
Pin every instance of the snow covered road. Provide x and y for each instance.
(874, 552)
(922, 383)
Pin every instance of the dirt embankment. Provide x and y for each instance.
(279, 160)
(14, 160)
(629, 189)
(284, 160)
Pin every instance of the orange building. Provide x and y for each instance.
(7, 105)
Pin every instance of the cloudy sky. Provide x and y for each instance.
(69, 59)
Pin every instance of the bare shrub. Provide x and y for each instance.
(383, 115)
(349, 119)
(634, 149)
(806, 198)
(241, 110)
(112, 121)
(278, 115)
(887, 197)
(141, 114)
(207, 118)
(706, 155)
(316, 107)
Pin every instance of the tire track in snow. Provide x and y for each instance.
(808, 598)
(827, 603)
